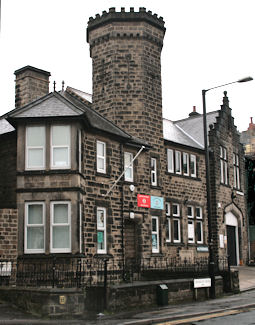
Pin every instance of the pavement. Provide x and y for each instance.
(184, 313)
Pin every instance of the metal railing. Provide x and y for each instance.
(77, 272)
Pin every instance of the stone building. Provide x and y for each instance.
(108, 177)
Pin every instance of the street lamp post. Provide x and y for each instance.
(208, 186)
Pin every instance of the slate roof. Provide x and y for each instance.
(193, 126)
(5, 126)
(83, 95)
(67, 103)
(176, 134)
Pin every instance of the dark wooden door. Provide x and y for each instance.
(130, 240)
(231, 237)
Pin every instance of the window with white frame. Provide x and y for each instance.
(191, 231)
(199, 231)
(168, 222)
(155, 234)
(193, 166)
(168, 209)
(176, 209)
(154, 180)
(185, 164)
(173, 222)
(60, 146)
(178, 166)
(190, 211)
(223, 166)
(176, 230)
(101, 230)
(101, 157)
(236, 171)
(170, 160)
(168, 229)
(60, 227)
(34, 227)
(176, 223)
(128, 166)
(195, 224)
(35, 147)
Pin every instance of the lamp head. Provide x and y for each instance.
(245, 79)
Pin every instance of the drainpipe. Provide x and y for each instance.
(122, 211)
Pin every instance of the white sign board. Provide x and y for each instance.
(202, 283)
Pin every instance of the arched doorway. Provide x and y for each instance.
(232, 238)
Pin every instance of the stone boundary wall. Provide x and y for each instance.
(8, 234)
(46, 302)
(145, 293)
(57, 302)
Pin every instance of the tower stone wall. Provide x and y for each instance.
(125, 48)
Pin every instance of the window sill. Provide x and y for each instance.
(103, 256)
(102, 175)
(175, 244)
(183, 176)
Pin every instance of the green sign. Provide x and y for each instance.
(100, 237)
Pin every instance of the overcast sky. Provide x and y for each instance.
(207, 43)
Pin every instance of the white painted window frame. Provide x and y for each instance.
(33, 251)
(185, 156)
(199, 221)
(42, 167)
(236, 171)
(168, 209)
(128, 165)
(178, 209)
(154, 178)
(170, 161)
(60, 250)
(68, 146)
(201, 213)
(191, 236)
(193, 159)
(102, 229)
(190, 215)
(178, 240)
(178, 162)
(168, 238)
(101, 170)
(156, 233)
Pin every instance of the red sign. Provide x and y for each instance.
(143, 201)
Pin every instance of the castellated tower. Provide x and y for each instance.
(125, 48)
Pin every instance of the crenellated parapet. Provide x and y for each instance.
(131, 18)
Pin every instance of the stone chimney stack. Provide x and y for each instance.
(31, 84)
